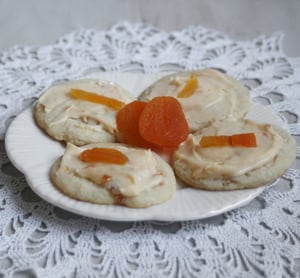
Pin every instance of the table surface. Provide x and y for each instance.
(34, 22)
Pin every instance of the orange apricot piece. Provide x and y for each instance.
(236, 140)
(189, 87)
(92, 97)
(243, 140)
(162, 122)
(128, 124)
(214, 141)
(105, 155)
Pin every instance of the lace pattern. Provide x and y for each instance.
(259, 240)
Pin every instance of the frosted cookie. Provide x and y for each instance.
(205, 95)
(81, 111)
(234, 167)
(129, 176)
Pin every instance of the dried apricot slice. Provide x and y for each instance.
(243, 140)
(214, 141)
(235, 140)
(106, 155)
(92, 97)
(162, 122)
(128, 124)
(189, 88)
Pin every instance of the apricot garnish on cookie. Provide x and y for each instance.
(189, 87)
(106, 155)
(92, 97)
(235, 140)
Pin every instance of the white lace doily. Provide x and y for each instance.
(261, 239)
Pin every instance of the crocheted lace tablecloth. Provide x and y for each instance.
(261, 239)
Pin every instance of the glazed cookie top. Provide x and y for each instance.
(112, 173)
(127, 171)
(75, 111)
(227, 160)
(205, 95)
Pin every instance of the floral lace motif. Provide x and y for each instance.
(261, 239)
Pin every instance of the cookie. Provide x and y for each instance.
(216, 97)
(79, 121)
(228, 167)
(144, 180)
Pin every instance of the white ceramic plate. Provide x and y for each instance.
(33, 153)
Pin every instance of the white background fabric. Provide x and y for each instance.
(261, 239)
